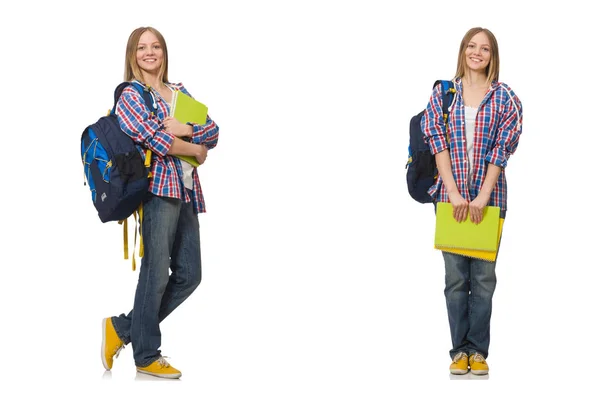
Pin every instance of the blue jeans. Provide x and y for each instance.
(470, 285)
(171, 241)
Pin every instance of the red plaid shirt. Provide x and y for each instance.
(148, 132)
(497, 131)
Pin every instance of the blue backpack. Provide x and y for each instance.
(117, 176)
(421, 171)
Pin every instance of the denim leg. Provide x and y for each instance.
(141, 325)
(457, 300)
(483, 284)
(186, 272)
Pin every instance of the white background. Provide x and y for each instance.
(319, 275)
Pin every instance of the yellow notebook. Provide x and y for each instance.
(186, 109)
(449, 233)
(480, 254)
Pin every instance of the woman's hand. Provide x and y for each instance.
(203, 152)
(477, 205)
(460, 206)
(176, 128)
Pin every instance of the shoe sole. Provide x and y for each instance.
(169, 376)
(479, 372)
(459, 372)
(102, 354)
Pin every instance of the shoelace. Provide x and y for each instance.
(459, 356)
(478, 358)
(118, 350)
(162, 362)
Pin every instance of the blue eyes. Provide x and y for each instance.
(471, 46)
(140, 48)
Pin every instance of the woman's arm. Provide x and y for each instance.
(460, 205)
(432, 123)
(145, 128)
(434, 129)
(181, 147)
(478, 204)
(507, 139)
(141, 125)
(509, 131)
(206, 134)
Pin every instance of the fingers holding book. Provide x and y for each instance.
(202, 153)
(460, 206)
(476, 208)
(176, 128)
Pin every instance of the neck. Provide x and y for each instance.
(475, 79)
(153, 80)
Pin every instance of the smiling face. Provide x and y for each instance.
(478, 52)
(146, 56)
(149, 53)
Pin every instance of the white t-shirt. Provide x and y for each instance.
(188, 181)
(470, 115)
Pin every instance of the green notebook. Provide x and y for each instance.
(466, 235)
(187, 109)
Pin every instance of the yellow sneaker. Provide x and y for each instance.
(460, 364)
(111, 343)
(160, 368)
(478, 364)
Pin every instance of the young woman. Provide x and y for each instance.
(170, 228)
(484, 128)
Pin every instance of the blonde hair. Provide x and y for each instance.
(493, 68)
(132, 70)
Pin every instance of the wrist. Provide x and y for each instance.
(190, 130)
(485, 191)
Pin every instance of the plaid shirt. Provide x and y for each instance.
(147, 131)
(497, 132)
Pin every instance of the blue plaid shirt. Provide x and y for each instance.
(147, 131)
(497, 131)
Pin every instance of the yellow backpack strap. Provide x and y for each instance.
(138, 212)
(125, 247)
(134, 241)
(141, 213)
(147, 161)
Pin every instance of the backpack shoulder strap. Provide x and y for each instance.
(117, 95)
(141, 89)
(448, 92)
(144, 91)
